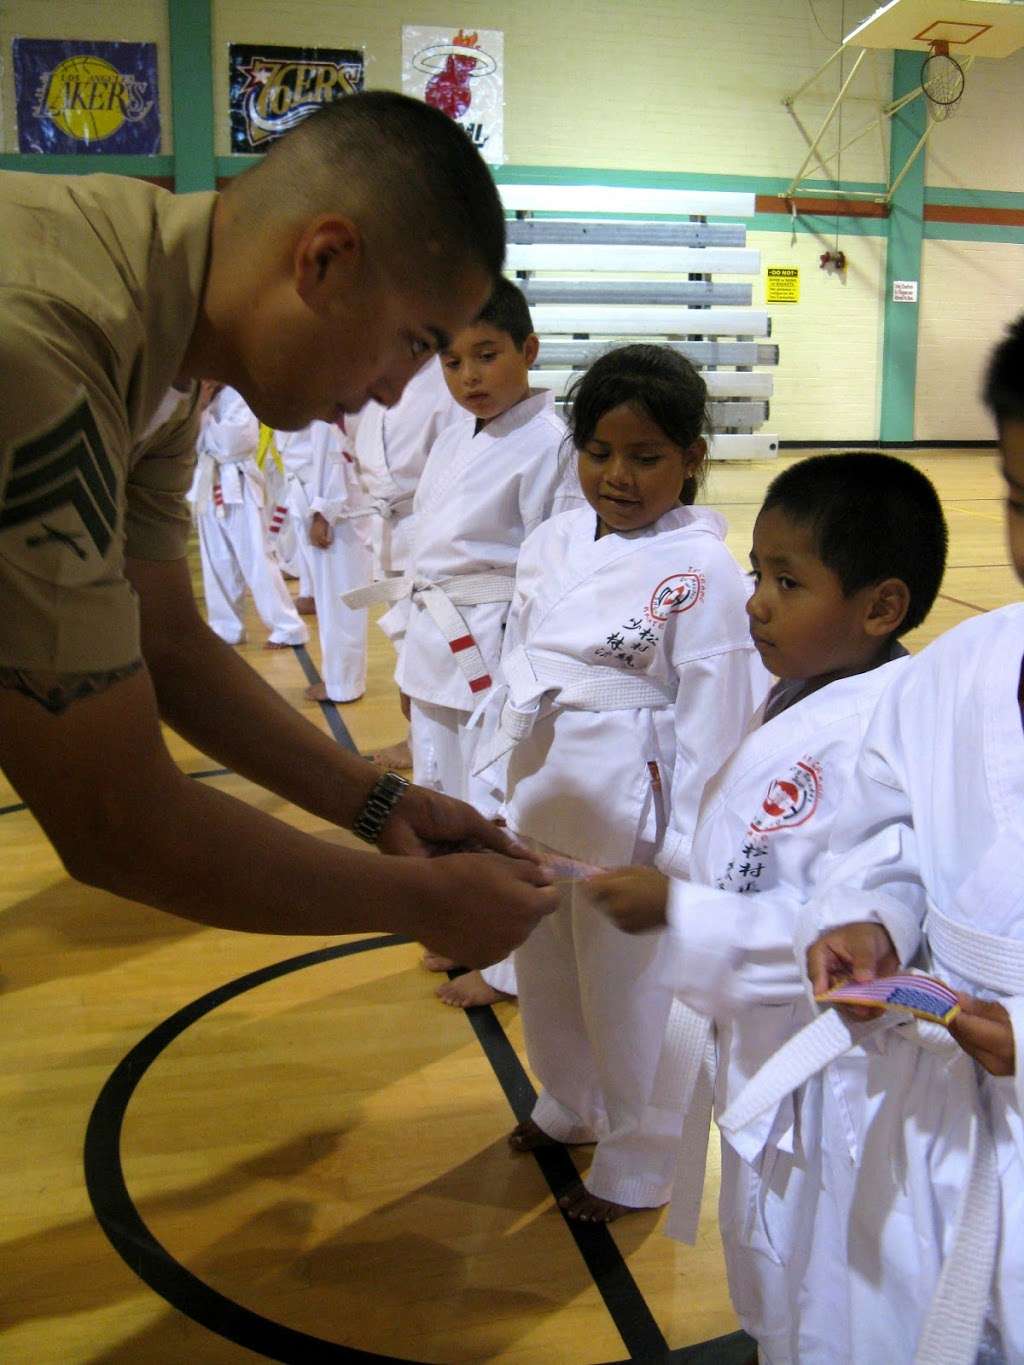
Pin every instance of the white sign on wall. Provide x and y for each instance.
(461, 73)
(904, 291)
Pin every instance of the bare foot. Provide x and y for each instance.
(584, 1207)
(434, 962)
(277, 644)
(395, 756)
(468, 990)
(305, 606)
(527, 1135)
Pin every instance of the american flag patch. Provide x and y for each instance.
(923, 996)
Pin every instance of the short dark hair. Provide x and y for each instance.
(507, 311)
(395, 159)
(657, 381)
(1004, 379)
(872, 517)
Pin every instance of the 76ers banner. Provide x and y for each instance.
(86, 97)
(274, 88)
(460, 72)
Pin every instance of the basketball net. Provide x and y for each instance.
(942, 80)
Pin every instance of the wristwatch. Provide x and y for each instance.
(384, 796)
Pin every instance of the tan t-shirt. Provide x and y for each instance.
(100, 281)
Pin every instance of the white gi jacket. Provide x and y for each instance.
(391, 446)
(226, 447)
(481, 494)
(761, 840)
(628, 677)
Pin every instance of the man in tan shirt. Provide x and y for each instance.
(321, 278)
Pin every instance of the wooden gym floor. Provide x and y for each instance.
(299, 1153)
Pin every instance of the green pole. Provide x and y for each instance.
(903, 256)
(192, 94)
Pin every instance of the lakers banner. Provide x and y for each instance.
(81, 96)
(460, 72)
(274, 88)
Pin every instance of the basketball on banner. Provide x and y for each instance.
(86, 97)
(272, 89)
(461, 73)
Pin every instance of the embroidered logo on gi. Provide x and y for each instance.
(791, 800)
(679, 592)
(66, 466)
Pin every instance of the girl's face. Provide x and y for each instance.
(631, 473)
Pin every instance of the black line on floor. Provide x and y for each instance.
(331, 714)
(123, 1224)
(614, 1280)
(972, 606)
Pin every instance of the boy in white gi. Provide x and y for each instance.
(391, 446)
(930, 856)
(228, 496)
(628, 677)
(330, 510)
(848, 554)
(490, 478)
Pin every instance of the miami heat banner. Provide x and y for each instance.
(461, 72)
(80, 96)
(272, 89)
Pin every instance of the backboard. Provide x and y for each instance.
(980, 28)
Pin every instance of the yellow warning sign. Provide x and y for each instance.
(782, 284)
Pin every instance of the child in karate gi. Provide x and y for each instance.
(390, 447)
(628, 677)
(330, 511)
(929, 863)
(490, 478)
(228, 496)
(848, 554)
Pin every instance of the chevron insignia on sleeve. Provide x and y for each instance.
(65, 465)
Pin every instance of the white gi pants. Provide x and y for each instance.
(442, 759)
(234, 555)
(594, 1016)
(344, 565)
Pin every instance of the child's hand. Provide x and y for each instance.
(983, 1030)
(636, 898)
(853, 952)
(321, 532)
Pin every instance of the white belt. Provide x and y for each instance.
(953, 1327)
(685, 1081)
(442, 601)
(578, 686)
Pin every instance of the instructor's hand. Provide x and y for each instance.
(853, 952)
(477, 907)
(425, 824)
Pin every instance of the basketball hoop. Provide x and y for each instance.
(942, 80)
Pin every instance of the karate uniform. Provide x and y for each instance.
(228, 495)
(481, 493)
(391, 447)
(760, 843)
(288, 526)
(333, 491)
(628, 678)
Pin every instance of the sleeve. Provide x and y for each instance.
(64, 446)
(873, 870)
(330, 484)
(157, 515)
(726, 952)
(715, 699)
(541, 487)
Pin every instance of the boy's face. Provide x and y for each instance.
(800, 622)
(1011, 443)
(486, 372)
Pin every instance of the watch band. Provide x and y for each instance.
(384, 796)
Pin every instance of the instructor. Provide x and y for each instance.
(321, 278)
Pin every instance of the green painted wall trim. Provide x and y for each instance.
(903, 257)
(972, 232)
(191, 29)
(975, 199)
(82, 165)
